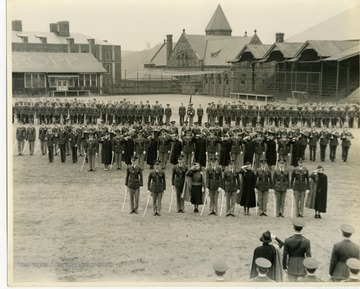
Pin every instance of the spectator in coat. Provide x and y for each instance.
(317, 197)
(247, 196)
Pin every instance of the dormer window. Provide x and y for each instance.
(91, 41)
(23, 37)
(70, 40)
(42, 38)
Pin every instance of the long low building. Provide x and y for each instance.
(65, 74)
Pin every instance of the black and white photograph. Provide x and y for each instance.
(182, 143)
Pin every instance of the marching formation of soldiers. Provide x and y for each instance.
(81, 112)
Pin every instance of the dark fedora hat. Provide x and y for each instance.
(266, 237)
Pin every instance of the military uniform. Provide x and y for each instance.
(299, 184)
(168, 114)
(333, 143)
(200, 113)
(177, 181)
(281, 185)
(91, 148)
(157, 186)
(42, 136)
(231, 185)
(133, 181)
(20, 137)
(263, 184)
(50, 138)
(213, 184)
(31, 137)
(346, 137)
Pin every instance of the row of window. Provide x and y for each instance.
(38, 80)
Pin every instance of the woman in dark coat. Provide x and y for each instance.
(247, 199)
(152, 152)
(271, 154)
(249, 149)
(106, 151)
(317, 198)
(176, 148)
(200, 150)
(197, 188)
(271, 252)
(225, 151)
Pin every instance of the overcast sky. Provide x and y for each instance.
(140, 24)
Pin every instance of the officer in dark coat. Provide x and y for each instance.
(50, 139)
(200, 149)
(90, 148)
(133, 182)
(73, 140)
(156, 186)
(213, 185)
(346, 137)
(177, 181)
(200, 113)
(296, 248)
(168, 113)
(341, 252)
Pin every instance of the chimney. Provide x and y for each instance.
(53, 28)
(16, 25)
(279, 37)
(169, 46)
(63, 28)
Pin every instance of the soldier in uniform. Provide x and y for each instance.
(296, 248)
(236, 150)
(50, 139)
(345, 137)
(188, 147)
(283, 147)
(31, 137)
(190, 113)
(118, 146)
(182, 113)
(200, 113)
(74, 140)
(300, 184)
(313, 139)
(281, 185)
(354, 268)
(20, 137)
(168, 113)
(177, 181)
(91, 147)
(157, 186)
(164, 145)
(140, 148)
(63, 138)
(341, 252)
(231, 186)
(333, 143)
(263, 265)
(42, 135)
(133, 182)
(213, 185)
(263, 185)
(310, 265)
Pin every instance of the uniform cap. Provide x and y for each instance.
(173, 121)
(310, 263)
(263, 263)
(263, 159)
(281, 161)
(213, 159)
(157, 162)
(353, 263)
(220, 266)
(134, 158)
(347, 228)
(298, 223)
(180, 157)
(231, 162)
(301, 160)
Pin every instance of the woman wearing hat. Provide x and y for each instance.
(271, 253)
(317, 197)
(197, 187)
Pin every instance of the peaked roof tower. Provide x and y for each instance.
(218, 24)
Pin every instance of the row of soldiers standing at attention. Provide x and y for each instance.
(259, 149)
(242, 144)
(124, 111)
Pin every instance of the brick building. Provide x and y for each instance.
(65, 44)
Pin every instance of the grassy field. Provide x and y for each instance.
(67, 225)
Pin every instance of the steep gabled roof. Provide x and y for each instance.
(349, 53)
(343, 26)
(219, 51)
(254, 51)
(287, 49)
(52, 38)
(218, 22)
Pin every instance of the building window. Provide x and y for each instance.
(226, 78)
(107, 55)
(243, 79)
(34, 80)
(93, 80)
(219, 78)
(71, 82)
(178, 59)
(52, 82)
(95, 54)
(87, 79)
(206, 80)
